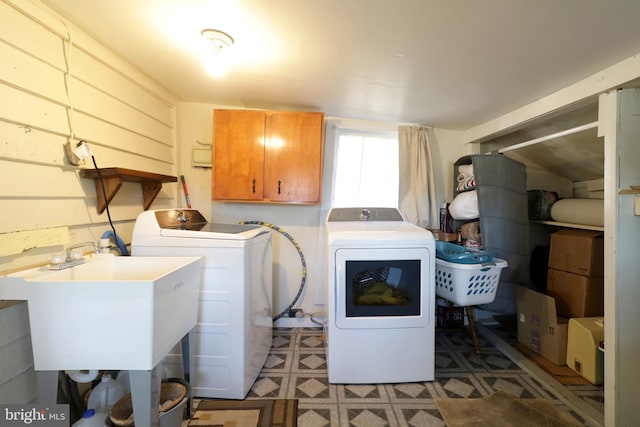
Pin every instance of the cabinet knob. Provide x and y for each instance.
(279, 182)
(253, 187)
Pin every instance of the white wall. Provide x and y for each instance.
(447, 146)
(302, 222)
(128, 120)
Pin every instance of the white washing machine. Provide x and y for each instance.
(380, 321)
(233, 334)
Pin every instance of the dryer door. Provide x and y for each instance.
(383, 288)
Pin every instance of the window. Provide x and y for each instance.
(366, 170)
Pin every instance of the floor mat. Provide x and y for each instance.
(503, 410)
(246, 413)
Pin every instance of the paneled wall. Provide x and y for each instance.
(57, 84)
(17, 377)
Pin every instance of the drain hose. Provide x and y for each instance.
(121, 245)
(302, 260)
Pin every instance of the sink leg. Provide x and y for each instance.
(47, 383)
(145, 395)
(188, 350)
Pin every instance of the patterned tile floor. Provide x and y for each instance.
(590, 395)
(297, 368)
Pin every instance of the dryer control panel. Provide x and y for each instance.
(364, 214)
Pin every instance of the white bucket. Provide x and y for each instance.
(173, 417)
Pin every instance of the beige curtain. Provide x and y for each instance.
(416, 198)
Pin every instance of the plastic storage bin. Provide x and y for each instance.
(468, 284)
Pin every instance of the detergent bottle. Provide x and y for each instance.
(105, 394)
(91, 418)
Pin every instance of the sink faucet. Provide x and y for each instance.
(67, 261)
(94, 245)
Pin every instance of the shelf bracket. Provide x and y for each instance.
(150, 190)
(111, 186)
(113, 179)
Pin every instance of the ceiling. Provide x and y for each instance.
(450, 64)
(566, 145)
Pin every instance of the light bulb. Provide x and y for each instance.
(215, 52)
(216, 66)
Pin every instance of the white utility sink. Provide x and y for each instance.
(111, 313)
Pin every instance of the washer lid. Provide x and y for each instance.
(190, 223)
(214, 231)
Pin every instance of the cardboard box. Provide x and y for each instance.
(576, 295)
(539, 327)
(583, 355)
(578, 251)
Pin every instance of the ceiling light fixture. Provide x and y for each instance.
(216, 56)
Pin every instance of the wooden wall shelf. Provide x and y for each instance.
(114, 177)
(571, 225)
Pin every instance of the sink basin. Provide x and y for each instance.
(111, 313)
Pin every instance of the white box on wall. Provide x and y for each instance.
(201, 157)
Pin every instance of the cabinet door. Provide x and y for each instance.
(238, 154)
(293, 157)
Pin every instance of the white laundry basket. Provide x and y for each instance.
(468, 284)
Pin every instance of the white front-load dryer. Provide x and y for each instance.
(380, 320)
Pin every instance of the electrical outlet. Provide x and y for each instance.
(71, 156)
(296, 312)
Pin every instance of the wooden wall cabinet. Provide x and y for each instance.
(267, 156)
